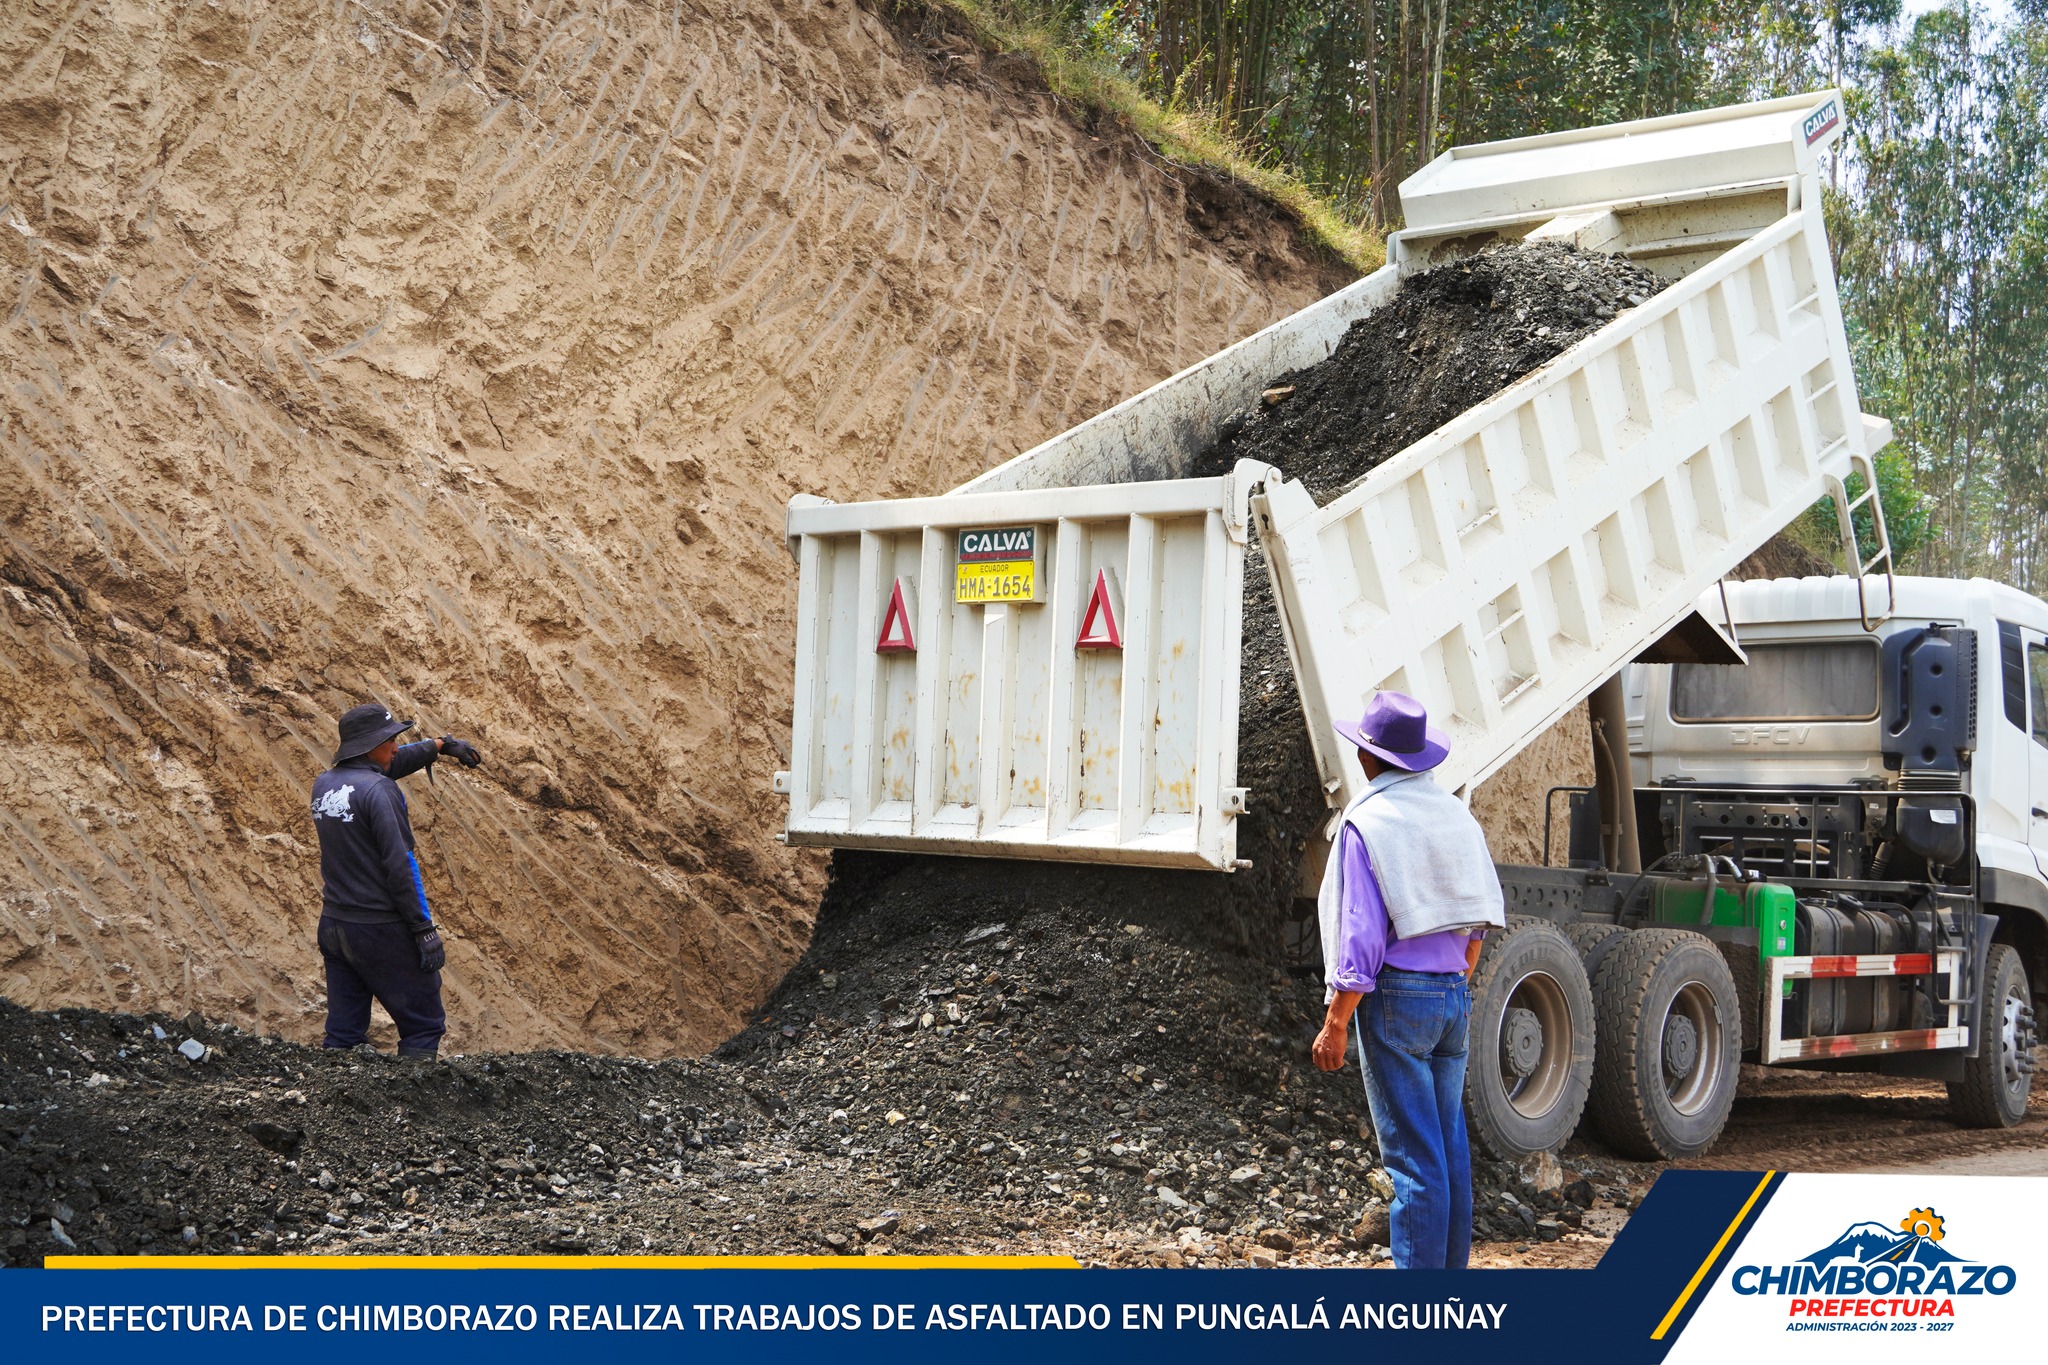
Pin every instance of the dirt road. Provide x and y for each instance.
(1814, 1121)
(1817, 1121)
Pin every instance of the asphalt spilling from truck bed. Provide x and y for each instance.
(972, 1055)
(1448, 340)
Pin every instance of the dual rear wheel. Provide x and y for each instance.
(1530, 1042)
(1669, 1044)
(1640, 1029)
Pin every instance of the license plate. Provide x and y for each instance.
(1013, 581)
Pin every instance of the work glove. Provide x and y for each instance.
(433, 957)
(461, 750)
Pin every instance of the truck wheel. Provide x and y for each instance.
(1670, 1040)
(1993, 1090)
(1531, 1048)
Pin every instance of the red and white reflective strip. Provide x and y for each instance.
(1873, 964)
(1865, 1044)
(1780, 972)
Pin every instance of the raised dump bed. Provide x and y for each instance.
(1067, 686)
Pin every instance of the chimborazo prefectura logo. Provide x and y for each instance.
(1874, 1270)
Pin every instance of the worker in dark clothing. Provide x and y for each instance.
(377, 933)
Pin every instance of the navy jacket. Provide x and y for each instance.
(368, 873)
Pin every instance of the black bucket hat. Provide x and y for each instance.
(364, 727)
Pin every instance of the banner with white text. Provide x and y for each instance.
(1761, 1264)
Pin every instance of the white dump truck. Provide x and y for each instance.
(1044, 663)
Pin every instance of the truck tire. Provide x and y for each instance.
(1669, 1044)
(1594, 941)
(1993, 1090)
(1531, 1041)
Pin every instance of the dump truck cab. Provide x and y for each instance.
(1950, 695)
(1828, 854)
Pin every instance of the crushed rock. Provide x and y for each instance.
(271, 1146)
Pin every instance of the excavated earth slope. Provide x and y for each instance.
(464, 358)
(1109, 1056)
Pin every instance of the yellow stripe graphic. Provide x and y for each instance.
(1712, 1256)
(562, 1263)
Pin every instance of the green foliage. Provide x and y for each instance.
(1939, 230)
(1359, 93)
(1082, 49)
(1908, 513)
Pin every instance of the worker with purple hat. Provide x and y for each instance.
(1407, 895)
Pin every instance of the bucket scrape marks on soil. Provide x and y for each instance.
(464, 358)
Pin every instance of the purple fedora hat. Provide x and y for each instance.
(1396, 729)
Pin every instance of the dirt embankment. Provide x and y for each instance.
(1110, 1056)
(465, 358)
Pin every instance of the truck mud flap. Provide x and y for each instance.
(1742, 965)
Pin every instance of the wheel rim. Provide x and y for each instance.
(1690, 1048)
(1534, 1049)
(2009, 1043)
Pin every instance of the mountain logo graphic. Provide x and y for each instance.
(1877, 1269)
(1915, 1241)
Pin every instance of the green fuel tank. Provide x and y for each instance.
(1766, 907)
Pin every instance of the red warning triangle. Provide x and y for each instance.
(896, 636)
(1100, 628)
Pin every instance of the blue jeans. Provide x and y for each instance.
(1411, 1037)
(380, 960)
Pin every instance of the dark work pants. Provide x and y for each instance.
(380, 960)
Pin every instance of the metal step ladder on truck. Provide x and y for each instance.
(1044, 663)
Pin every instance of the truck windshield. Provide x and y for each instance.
(1825, 680)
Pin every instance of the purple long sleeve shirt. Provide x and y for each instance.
(1366, 939)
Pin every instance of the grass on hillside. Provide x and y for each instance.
(1192, 137)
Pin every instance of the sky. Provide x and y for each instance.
(1998, 11)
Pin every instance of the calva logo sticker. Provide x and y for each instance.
(1821, 122)
(1876, 1270)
